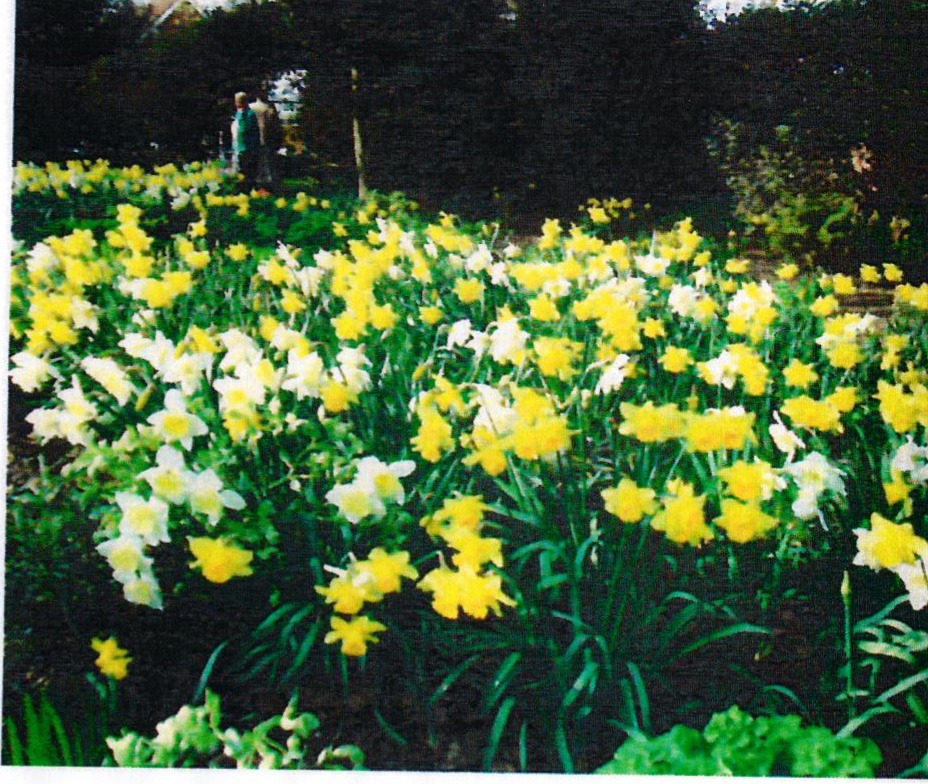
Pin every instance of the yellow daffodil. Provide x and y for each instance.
(112, 660)
(629, 502)
(354, 634)
(219, 560)
(887, 545)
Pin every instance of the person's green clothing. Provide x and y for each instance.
(248, 138)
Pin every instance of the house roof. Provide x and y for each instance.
(176, 11)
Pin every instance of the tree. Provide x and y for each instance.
(72, 32)
(56, 41)
(613, 96)
(841, 75)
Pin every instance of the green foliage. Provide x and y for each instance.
(889, 672)
(88, 191)
(846, 78)
(45, 740)
(796, 208)
(45, 736)
(194, 738)
(735, 743)
(567, 529)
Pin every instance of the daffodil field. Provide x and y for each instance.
(593, 484)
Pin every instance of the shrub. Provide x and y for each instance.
(194, 737)
(734, 743)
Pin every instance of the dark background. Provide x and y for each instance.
(484, 106)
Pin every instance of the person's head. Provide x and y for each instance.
(241, 100)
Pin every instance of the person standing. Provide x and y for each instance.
(246, 141)
(271, 140)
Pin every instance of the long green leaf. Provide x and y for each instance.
(861, 626)
(293, 622)
(899, 626)
(903, 685)
(207, 672)
(788, 693)
(56, 729)
(632, 725)
(886, 649)
(591, 541)
(721, 634)
(680, 620)
(389, 728)
(586, 676)
(563, 748)
(917, 707)
(37, 747)
(14, 744)
(515, 514)
(856, 723)
(551, 581)
(302, 653)
(920, 769)
(497, 731)
(449, 680)
(501, 680)
(528, 549)
(644, 704)
(275, 616)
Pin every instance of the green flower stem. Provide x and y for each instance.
(848, 646)
(629, 569)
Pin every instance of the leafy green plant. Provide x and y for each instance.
(735, 743)
(543, 472)
(194, 737)
(797, 209)
(887, 673)
(43, 736)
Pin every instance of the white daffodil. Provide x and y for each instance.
(813, 476)
(912, 459)
(614, 375)
(31, 372)
(785, 439)
(77, 412)
(175, 423)
(915, 578)
(143, 589)
(206, 496)
(41, 260)
(459, 333)
(144, 518)
(722, 370)
(304, 374)
(84, 314)
(110, 375)
(186, 370)
(652, 265)
(355, 501)
(495, 413)
(683, 300)
(352, 364)
(158, 353)
(239, 349)
(125, 555)
(168, 478)
(384, 478)
(46, 423)
(479, 260)
(507, 341)
(309, 279)
(239, 394)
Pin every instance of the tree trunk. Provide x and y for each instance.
(358, 146)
